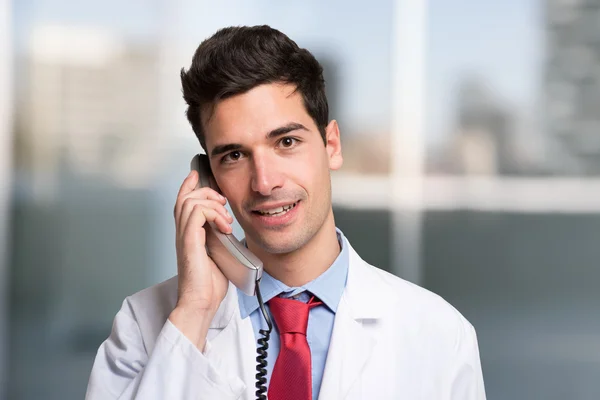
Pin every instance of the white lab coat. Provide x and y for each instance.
(391, 340)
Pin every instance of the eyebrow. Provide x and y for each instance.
(282, 130)
(294, 126)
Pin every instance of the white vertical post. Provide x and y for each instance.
(6, 122)
(408, 143)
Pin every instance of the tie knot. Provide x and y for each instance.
(291, 316)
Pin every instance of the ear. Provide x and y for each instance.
(333, 145)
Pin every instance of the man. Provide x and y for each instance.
(258, 107)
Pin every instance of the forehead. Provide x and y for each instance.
(250, 116)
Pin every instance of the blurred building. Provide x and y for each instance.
(88, 128)
(485, 138)
(90, 104)
(572, 84)
(366, 151)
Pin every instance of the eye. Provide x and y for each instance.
(232, 157)
(288, 141)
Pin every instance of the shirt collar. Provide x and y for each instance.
(327, 287)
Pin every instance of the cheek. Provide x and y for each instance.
(234, 190)
(313, 172)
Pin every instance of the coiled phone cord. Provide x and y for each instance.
(261, 359)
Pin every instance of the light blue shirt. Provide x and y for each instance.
(327, 287)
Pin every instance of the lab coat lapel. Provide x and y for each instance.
(351, 342)
(232, 346)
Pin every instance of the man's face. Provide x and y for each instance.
(270, 161)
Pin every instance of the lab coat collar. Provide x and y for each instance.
(364, 294)
(356, 327)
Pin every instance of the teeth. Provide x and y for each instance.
(277, 211)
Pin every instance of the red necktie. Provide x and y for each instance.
(291, 378)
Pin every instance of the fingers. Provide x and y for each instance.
(189, 189)
(191, 204)
(189, 184)
(200, 215)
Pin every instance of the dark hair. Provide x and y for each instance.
(236, 59)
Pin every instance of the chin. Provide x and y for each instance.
(279, 242)
(279, 245)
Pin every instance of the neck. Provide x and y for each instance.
(305, 264)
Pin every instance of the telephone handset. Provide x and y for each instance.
(242, 268)
(238, 264)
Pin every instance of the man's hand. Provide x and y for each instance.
(202, 286)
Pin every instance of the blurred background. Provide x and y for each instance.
(471, 135)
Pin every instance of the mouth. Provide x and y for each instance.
(277, 211)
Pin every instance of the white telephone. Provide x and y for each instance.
(238, 264)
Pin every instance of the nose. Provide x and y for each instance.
(266, 176)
